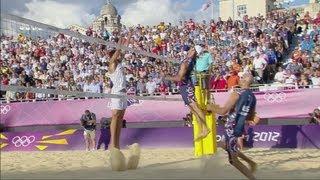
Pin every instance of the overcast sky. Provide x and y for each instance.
(63, 13)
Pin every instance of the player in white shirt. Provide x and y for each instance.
(118, 105)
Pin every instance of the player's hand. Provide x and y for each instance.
(212, 107)
(191, 53)
(254, 121)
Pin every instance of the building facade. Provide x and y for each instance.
(313, 7)
(109, 19)
(236, 9)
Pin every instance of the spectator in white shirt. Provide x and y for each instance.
(259, 64)
(316, 79)
(291, 79)
(151, 86)
(86, 86)
(280, 76)
(95, 87)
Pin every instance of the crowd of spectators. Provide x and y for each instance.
(280, 48)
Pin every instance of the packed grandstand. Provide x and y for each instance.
(281, 48)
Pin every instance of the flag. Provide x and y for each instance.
(206, 6)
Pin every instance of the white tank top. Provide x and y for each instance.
(118, 80)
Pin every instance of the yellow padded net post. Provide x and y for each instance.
(207, 145)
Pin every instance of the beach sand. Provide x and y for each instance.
(159, 163)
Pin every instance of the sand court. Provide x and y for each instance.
(159, 163)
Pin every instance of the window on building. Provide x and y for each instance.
(242, 9)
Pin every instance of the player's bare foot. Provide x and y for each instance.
(117, 160)
(134, 156)
(253, 167)
(110, 146)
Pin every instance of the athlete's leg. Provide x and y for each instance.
(201, 119)
(241, 167)
(253, 165)
(187, 94)
(92, 139)
(86, 140)
(233, 152)
(115, 120)
(119, 127)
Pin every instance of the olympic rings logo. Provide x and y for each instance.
(22, 141)
(5, 109)
(273, 97)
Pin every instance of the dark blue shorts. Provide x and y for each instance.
(187, 93)
(231, 144)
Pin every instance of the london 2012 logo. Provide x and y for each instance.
(275, 97)
(257, 136)
(24, 141)
(4, 109)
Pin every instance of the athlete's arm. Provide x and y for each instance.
(183, 68)
(82, 122)
(114, 59)
(180, 75)
(238, 129)
(253, 119)
(227, 107)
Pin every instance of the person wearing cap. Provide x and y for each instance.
(187, 90)
(203, 63)
(315, 116)
(88, 123)
(204, 59)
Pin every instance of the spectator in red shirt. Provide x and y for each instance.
(219, 82)
(164, 47)
(39, 52)
(191, 25)
(5, 80)
(316, 21)
(213, 26)
(163, 89)
(156, 49)
(89, 32)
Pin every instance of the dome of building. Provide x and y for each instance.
(109, 9)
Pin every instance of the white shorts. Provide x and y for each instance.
(119, 103)
(90, 133)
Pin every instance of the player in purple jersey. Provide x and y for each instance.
(240, 108)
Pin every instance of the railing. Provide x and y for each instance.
(175, 91)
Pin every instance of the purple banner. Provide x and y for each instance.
(290, 136)
(271, 104)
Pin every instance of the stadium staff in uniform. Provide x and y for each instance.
(240, 108)
(104, 133)
(88, 123)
